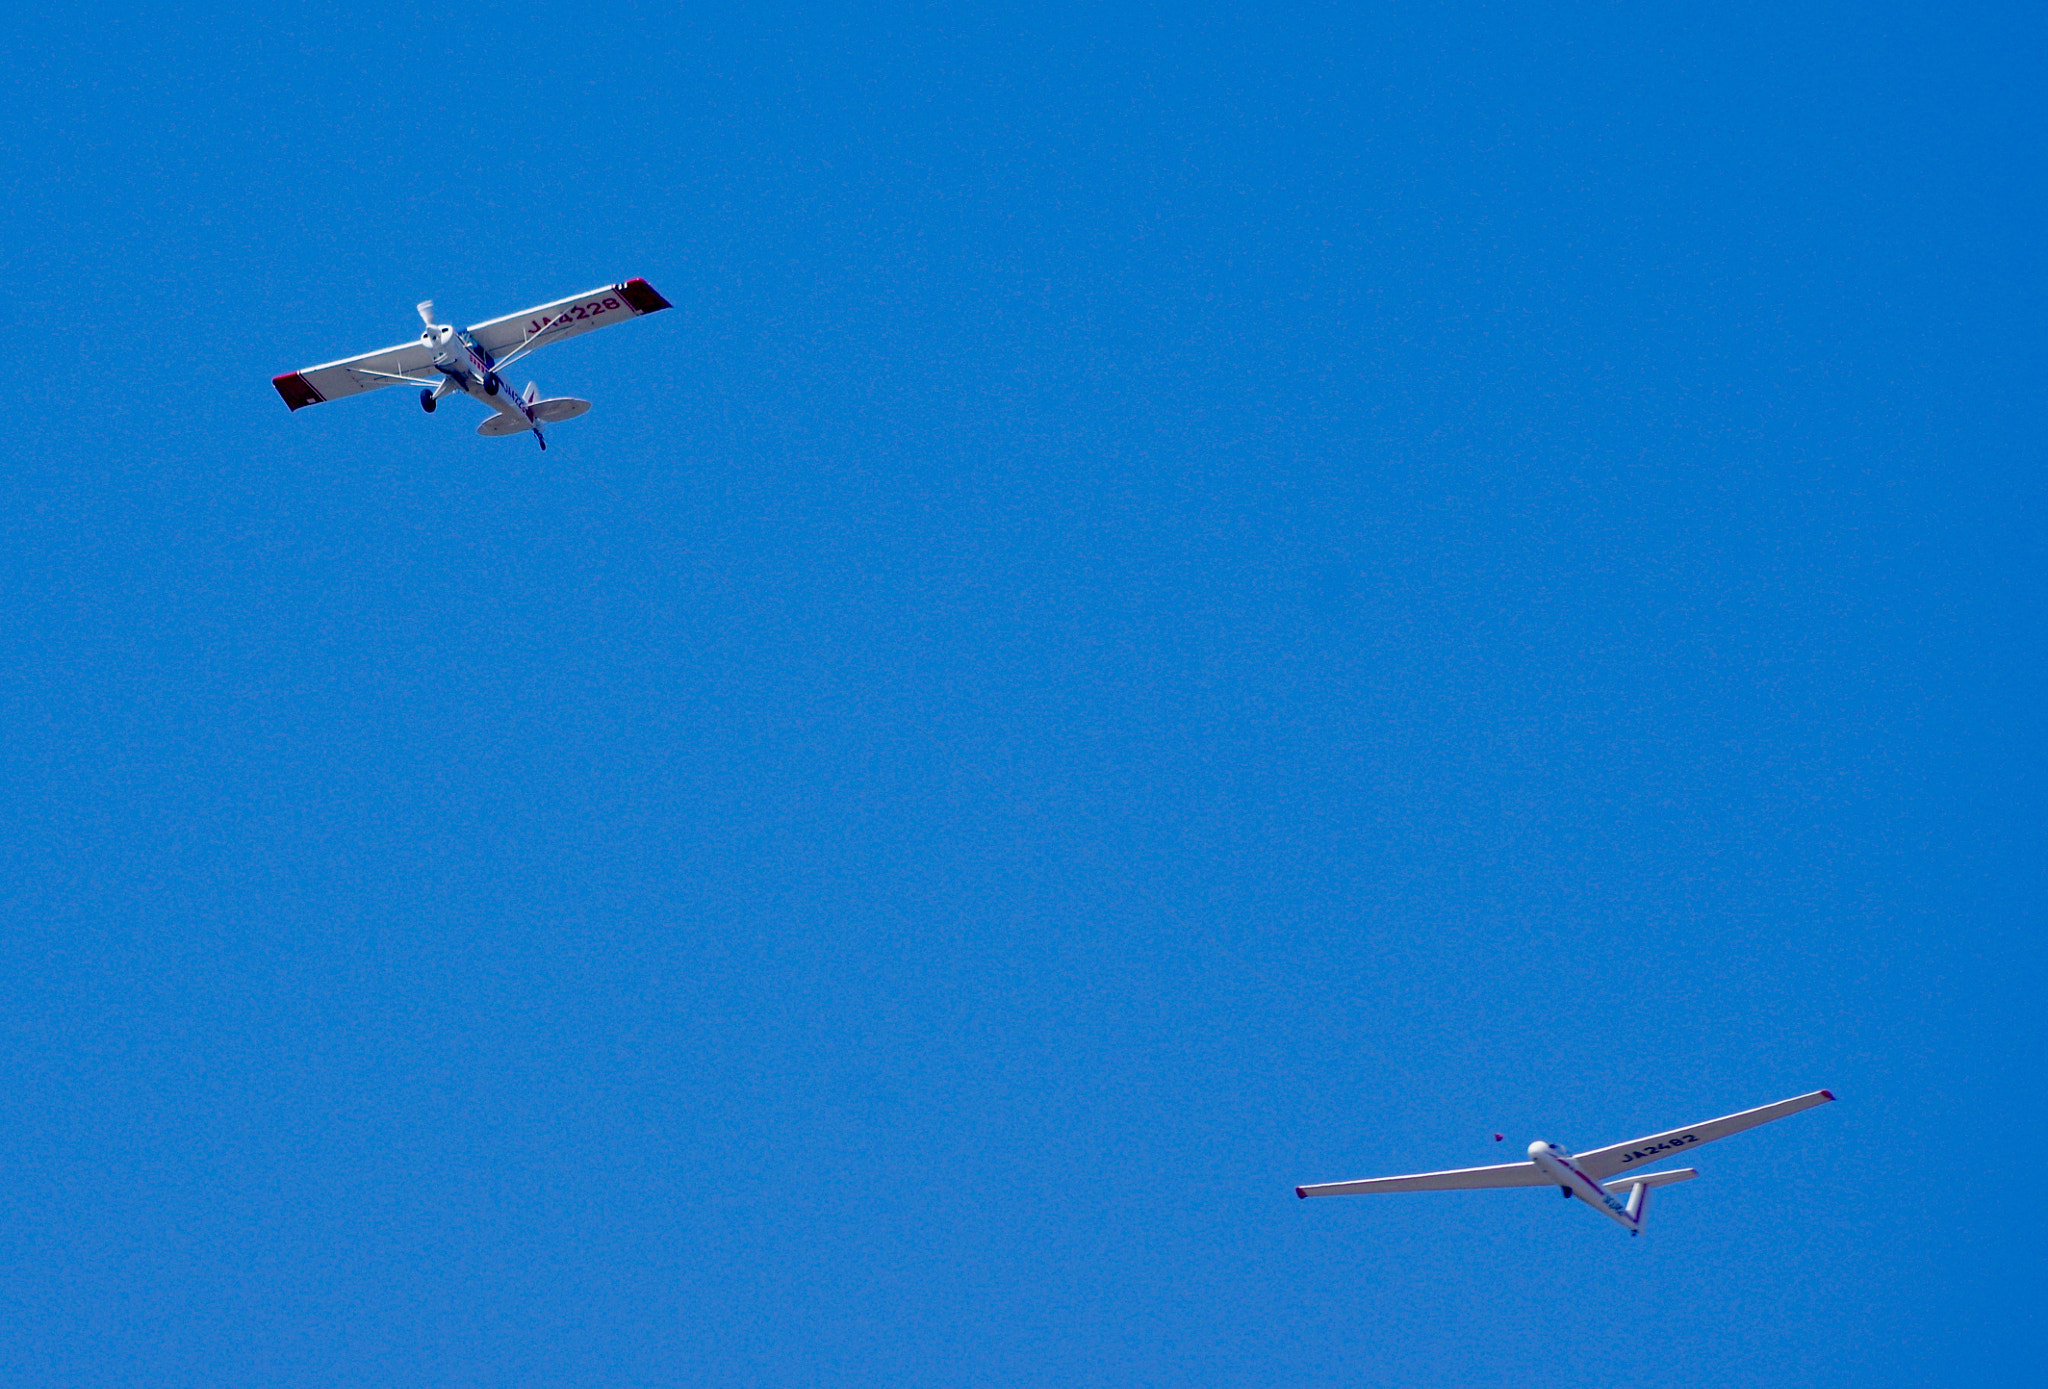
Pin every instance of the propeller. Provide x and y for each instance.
(426, 308)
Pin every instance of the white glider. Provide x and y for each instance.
(1588, 1175)
(445, 359)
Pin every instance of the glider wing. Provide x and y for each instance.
(546, 324)
(1602, 1163)
(1458, 1179)
(389, 366)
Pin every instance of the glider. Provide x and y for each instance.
(445, 359)
(1590, 1175)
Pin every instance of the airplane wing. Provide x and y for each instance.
(1602, 1163)
(1457, 1179)
(565, 318)
(388, 366)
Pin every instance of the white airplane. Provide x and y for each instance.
(1588, 1175)
(445, 359)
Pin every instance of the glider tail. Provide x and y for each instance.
(1638, 1203)
(1639, 1185)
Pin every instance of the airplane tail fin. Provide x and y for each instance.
(530, 395)
(1638, 1206)
(1639, 1185)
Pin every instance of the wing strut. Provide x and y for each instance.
(532, 341)
(401, 380)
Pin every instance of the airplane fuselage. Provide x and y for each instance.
(468, 368)
(1556, 1164)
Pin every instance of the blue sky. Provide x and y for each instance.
(1191, 600)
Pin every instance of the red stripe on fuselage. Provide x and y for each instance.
(1605, 1197)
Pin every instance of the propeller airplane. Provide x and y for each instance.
(445, 359)
(1590, 1175)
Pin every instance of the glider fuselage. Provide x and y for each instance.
(1555, 1163)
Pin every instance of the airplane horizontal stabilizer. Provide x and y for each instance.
(1679, 1174)
(562, 407)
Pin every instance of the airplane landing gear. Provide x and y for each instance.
(427, 401)
(491, 383)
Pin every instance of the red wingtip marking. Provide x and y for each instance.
(644, 297)
(1829, 1093)
(296, 390)
(1302, 1192)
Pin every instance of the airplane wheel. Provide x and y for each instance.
(427, 401)
(491, 383)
